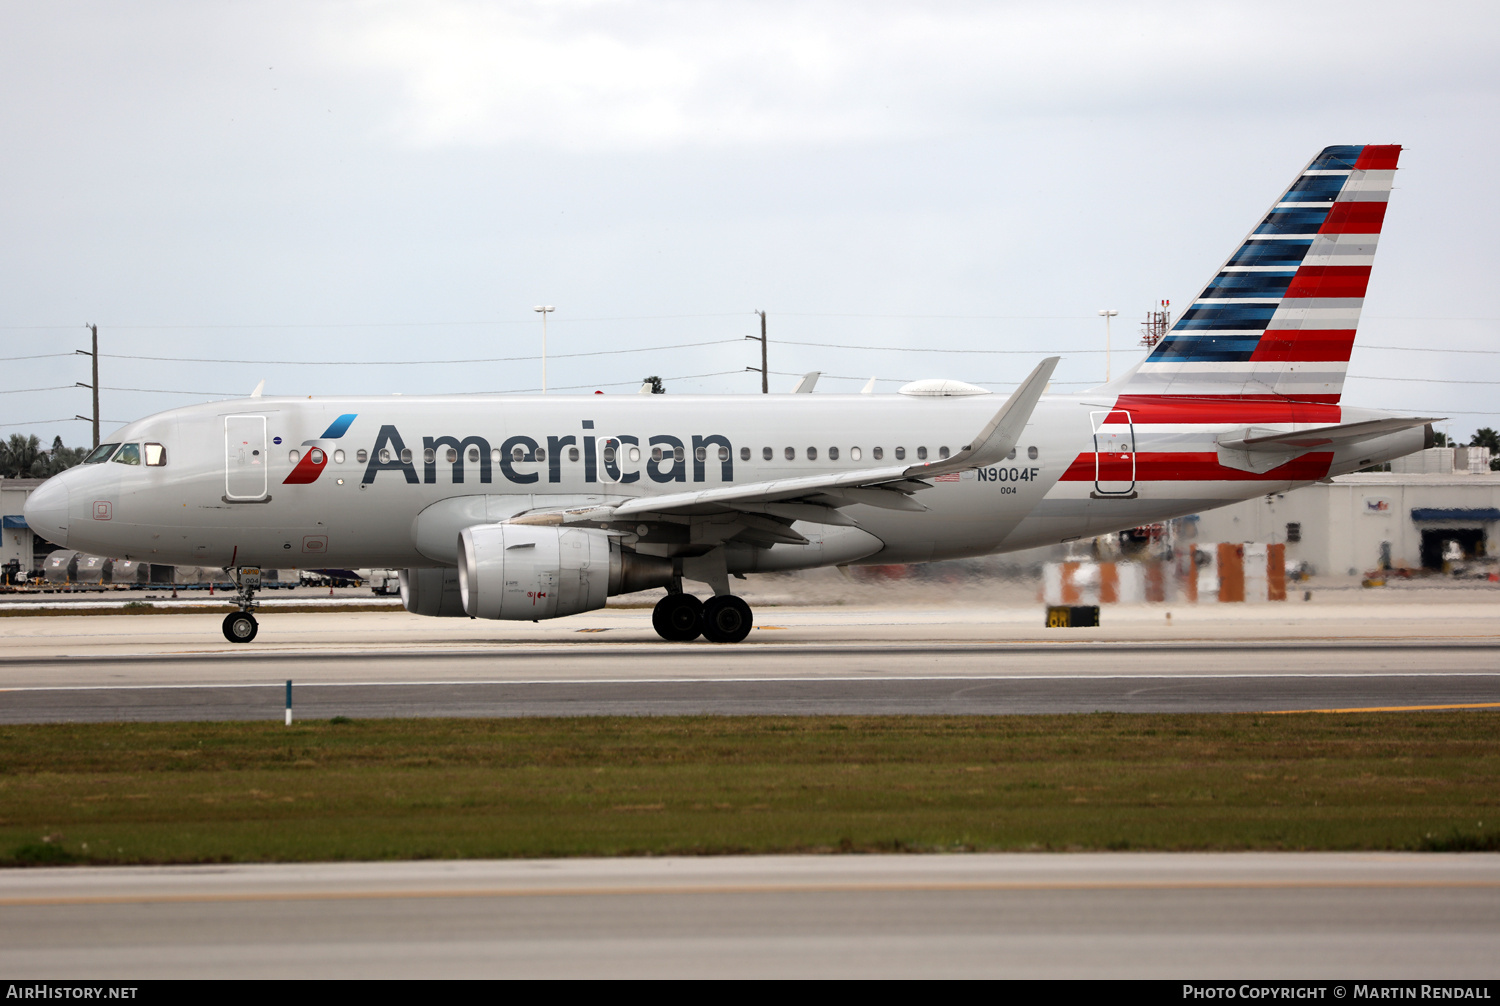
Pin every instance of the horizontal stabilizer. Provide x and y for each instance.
(1322, 436)
(1260, 450)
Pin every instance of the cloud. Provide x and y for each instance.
(620, 75)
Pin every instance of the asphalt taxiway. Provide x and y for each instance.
(1408, 651)
(1142, 915)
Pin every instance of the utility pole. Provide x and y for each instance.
(544, 310)
(765, 375)
(1107, 314)
(95, 386)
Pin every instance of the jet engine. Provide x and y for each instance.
(519, 571)
(432, 592)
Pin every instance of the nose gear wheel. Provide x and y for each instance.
(240, 627)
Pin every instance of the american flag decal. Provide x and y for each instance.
(950, 477)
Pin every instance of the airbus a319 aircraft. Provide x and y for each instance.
(529, 508)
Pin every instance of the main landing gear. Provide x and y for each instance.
(241, 626)
(680, 618)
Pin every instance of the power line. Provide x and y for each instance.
(408, 363)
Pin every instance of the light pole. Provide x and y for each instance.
(1106, 315)
(544, 311)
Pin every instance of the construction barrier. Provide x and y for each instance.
(1226, 572)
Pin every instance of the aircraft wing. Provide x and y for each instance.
(818, 498)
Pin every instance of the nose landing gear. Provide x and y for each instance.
(680, 618)
(241, 626)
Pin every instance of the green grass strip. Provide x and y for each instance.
(427, 788)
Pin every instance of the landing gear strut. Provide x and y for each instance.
(680, 618)
(241, 626)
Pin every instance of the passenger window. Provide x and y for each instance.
(406, 456)
(315, 456)
(608, 454)
(767, 454)
(130, 454)
(540, 454)
(677, 454)
(385, 455)
(833, 454)
(723, 453)
(452, 455)
(156, 455)
(854, 454)
(338, 457)
(942, 452)
(812, 454)
(361, 455)
(701, 453)
(900, 453)
(101, 453)
(1012, 455)
(473, 454)
(294, 456)
(877, 453)
(573, 454)
(791, 454)
(921, 454)
(744, 454)
(429, 456)
(1031, 453)
(656, 454)
(495, 455)
(516, 453)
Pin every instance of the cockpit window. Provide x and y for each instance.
(130, 454)
(101, 453)
(156, 455)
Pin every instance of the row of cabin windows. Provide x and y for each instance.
(429, 456)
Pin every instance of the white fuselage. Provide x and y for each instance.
(219, 501)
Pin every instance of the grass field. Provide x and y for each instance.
(400, 789)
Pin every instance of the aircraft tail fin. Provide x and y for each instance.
(1278, 319)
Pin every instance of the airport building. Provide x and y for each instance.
(19, 545)
(1437, 509)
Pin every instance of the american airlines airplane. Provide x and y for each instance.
(531, 508)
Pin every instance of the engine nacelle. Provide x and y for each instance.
(432, 592)
(528, 572)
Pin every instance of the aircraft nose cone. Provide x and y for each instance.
(47, 511)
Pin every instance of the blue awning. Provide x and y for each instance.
(1481, 513)
(16, 521)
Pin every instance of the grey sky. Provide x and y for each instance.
(402, 182)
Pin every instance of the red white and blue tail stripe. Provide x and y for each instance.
(1278, 320)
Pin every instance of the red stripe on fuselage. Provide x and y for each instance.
(1208, 409)
(1201, 466)
(1305, 344)
(1329, 281)
(1378, 157)
(1354, 218)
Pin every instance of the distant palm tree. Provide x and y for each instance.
(18, 455)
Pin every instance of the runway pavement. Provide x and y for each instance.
(1409, 652)
(1243, 916)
